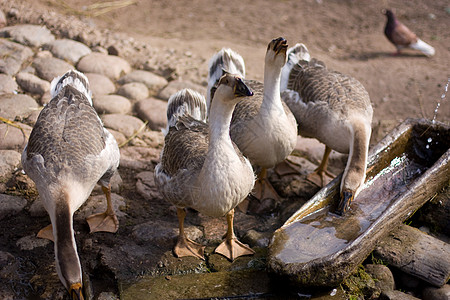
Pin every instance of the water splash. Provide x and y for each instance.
(439, 102)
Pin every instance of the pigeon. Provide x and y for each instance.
(402, 37)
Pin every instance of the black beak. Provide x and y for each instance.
(242, 89)
(344, 204)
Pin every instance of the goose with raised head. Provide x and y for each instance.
(333, 108)
(68, 152)
(200, 166)
(263, 128)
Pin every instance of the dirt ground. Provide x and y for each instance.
(346, 35)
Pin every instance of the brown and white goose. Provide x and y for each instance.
(333, 108)
(200, 166)
(68, 152)
(263, 127)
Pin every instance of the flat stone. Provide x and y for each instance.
(153, 82)
(112, 104)
(126, 124)
(30, 242)
(384, 280)
(13, 138)
(138, 158)
(163, 233)
(27, 34)
(434, 293)
(107, 296)
(32, 117)
(68, 50)
(134, 91)
(397, 295)
(13, 56)
(3, 20)
(16, 105)
(100, 85)
(154, 111)
(49, 68)
(108, 65)
(9, 160)
(7, 84)
(11, 205)
(119, 136)
(146, 187)
(32, 84)
(37, 208)
(176, 85)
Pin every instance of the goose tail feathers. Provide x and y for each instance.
(294, 54)
(72, 78)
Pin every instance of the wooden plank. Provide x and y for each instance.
(417, 254)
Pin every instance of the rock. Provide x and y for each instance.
(32, 117)
(176, 85)
(256, 238)
(7, 84)
(100, 85)
(14, 138)
(97, 204)
(9, 160)
(146, 187)
(50, 67)
(112, 104)
(153, 82)
(396, 295)
(163, 233)
(16, 105)
(119, 136)
(116, 183)
(384, 280)
(27, 34)
(433, 293)
(3, 21)
(128, 125)
(112, 50)
(32, 84)
(30, 242)
(108, 65)
(37, 208)
(45, 98)
(107, 296)
(13, 56)
(134, 91)
(68, 50)
(153, 111)
(154, 139)
(11, 205)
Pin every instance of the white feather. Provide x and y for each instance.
(294, 54)
(423, 47)
(57, 85)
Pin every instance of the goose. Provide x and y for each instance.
(263, 128)
(68, 152)
(201, 168)
(402, 37)
(333, 108)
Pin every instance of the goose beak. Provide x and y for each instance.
(279, 45)
(344, 204)
(241, 89)
(76, 291)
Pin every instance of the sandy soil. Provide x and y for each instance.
(346, 35)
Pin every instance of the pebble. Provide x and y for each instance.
(112, 104)
(50, 67)
(13, 138)
(16, 105)
(11, 205)
(384, 280)
(176, 85)
(154, 111)
(126, 124)
(108, 65)
(30, 242)
(100, 84)
(9, 160)
(32, 84)
(134, 91)
(29, 35)
(7, 84)
(153, 82)
(68, 50)
(13, 56)
(146, 186)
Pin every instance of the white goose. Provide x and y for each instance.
(200, 166)
(263, 127)
(68, 152)
(333, 108)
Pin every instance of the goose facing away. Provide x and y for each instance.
(333, 108)
(263, 127)
(402, 37)
(68, 152)
(201, 168)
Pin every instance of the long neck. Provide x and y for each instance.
(67, 261)
(355, 171)
(219, 122)
(272, 98)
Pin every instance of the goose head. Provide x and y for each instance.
(230, 88)
(276, 53)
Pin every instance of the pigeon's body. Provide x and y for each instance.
(402, 37)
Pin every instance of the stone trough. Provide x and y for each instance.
(317, 248)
